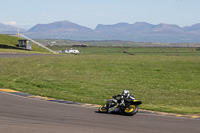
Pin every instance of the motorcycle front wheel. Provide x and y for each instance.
(102, 109)
(132, 110)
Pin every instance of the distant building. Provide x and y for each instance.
(26, 44)
(72, 51)
(53, 42)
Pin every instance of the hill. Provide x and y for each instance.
(61, 26)
(137, 32)
(145, 32)
(10, 42)
(60, 30)
(7, 29)
(192, 29)
(141, 27)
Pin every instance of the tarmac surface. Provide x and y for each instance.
(25, 114)
(10, 55)
(20, 114)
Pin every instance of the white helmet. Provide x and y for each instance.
(125, 92)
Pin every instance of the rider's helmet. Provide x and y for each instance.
(125, 93)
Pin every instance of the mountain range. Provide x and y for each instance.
(7, 29)
(138, 32)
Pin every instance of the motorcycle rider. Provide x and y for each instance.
(125, 97)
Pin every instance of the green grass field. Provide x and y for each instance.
(163, 83)
(168, 51)
(165, 79)
(8, 40)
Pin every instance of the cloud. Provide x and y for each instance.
(13, 23)
(19, 25)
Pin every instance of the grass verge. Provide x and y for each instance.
(13, 41)
(163, 83)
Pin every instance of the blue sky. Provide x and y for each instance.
(90, 13)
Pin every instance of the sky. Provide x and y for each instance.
(90, 13)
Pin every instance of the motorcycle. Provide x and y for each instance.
(130, 108)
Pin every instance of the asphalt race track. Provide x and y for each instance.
(25, 115)
(11, 55)
(20, 114)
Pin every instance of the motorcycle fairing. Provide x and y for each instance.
(137, 102)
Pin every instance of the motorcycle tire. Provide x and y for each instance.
(130, 111)
(102, 109)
